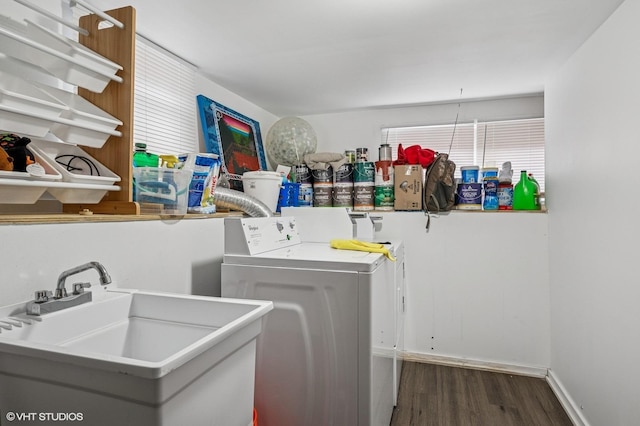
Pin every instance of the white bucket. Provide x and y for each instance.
(265, 186)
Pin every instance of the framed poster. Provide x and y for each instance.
(236, 139)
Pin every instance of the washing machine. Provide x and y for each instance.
(328, 353)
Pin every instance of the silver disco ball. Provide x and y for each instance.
(288, 140)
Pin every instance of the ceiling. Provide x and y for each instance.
(317, 56)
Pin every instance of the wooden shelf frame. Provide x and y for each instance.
(117, 45)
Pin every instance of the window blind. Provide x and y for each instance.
(164, 109)
(518, 141)
(480, 143)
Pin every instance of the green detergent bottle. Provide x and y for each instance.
(142, 158)
(525, 193)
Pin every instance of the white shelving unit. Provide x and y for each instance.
(98, 118)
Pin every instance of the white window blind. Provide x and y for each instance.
(437, 138)
(518, 141)
(165, 116)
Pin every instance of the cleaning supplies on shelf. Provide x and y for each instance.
(505, 196)
(525, 193)
(170, 162)
(490, 199)
(506, 173)
(142, 158)
(206, 167)
(505, 187)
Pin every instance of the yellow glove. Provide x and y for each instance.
(361, 246)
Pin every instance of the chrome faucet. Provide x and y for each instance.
(44, 303)
(61, 290)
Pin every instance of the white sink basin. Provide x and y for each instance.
(154, 355)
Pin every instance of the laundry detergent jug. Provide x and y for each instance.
(525, 193)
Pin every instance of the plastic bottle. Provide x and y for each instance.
(170, 162)
(383, 198)
(505, 196)
(142, 158)
(525, 193)
(531, 178)
(490, 200)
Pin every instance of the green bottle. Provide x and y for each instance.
(141, 158)
(525, 193)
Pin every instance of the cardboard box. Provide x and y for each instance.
(408, 187)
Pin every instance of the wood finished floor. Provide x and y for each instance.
(450, 396)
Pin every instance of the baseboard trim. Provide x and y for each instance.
(496, 367)
(569, 405)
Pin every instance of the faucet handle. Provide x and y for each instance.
(60, 293)
(78, 288)
(42, 296)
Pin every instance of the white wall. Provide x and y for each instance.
(592, 161)
(175, 256)
(359, 129)
(477, 286)
(478, 282)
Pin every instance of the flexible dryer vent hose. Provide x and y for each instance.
(232, 199)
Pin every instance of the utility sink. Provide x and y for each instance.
(134, 357)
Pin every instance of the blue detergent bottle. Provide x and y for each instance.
(490, 201)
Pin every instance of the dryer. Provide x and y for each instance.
(328, 351)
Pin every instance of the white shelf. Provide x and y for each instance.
(83, 68)
(43, 59)
(19, 191)
(91, 171)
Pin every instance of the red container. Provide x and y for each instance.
(505, 196)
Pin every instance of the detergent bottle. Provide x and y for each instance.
(142, 158)
(525, 193)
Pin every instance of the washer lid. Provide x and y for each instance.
(312, 256)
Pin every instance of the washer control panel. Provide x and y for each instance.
(264, 234)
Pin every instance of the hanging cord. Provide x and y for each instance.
(484, 143)
(455, 124)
